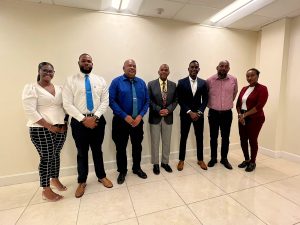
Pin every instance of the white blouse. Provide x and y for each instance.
(38, 103)
(245, 97)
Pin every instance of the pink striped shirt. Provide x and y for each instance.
(222, 92)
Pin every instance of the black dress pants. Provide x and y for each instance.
(185, 124)
(84, 139)
(219, 120)
(121, 131)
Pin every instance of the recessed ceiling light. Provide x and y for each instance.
(237, 10)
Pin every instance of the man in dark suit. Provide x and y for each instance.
(162, 93)
(192, 98)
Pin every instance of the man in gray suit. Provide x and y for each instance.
(163, 101)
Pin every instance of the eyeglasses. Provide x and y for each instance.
(48, 71)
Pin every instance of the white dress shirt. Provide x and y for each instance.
(74, 96)
(38, 103)
(193, 85)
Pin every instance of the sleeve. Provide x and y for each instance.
(262, 98)
(204, 98)
(66, 119)
(238, 102)
(173, 105)
(104, 100)
(113, 95)
(68, 101)
(146, 101)
(156, 108)
(181, 94)
(29, 99)
(235, 89)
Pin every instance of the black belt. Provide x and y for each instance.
(89, 114)
(220, 111)
(243, 111)
(59, 125)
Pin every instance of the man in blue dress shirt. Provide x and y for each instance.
(129, 100)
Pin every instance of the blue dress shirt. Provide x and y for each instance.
(120, 96)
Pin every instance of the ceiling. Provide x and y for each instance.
(194, 11)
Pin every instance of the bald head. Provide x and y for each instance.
(129, 68)
(223, 69)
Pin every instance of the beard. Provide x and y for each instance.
(84, 70)
(222, 74)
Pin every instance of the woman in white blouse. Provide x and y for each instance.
(249, 106)
(47, 122)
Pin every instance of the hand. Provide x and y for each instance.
(64, 128)
(129, 119)
(194, 116)
(89, 122)
(137, 121)
(242, 119)
(53, 129)
(163, 112)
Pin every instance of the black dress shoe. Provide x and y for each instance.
(166, 167)
(251, 166)
(212, 163)
(243, 164)
(156, 169)
(140, 173)
(121, 178)
(226, 164)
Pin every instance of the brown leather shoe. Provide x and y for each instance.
(80, 190)
(180, 165)
(202, 165)
(106, 182)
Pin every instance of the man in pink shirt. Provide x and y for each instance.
(222, 89)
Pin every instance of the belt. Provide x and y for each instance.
(243, 111)
(88, 114)
(220, 111)
(59, 125)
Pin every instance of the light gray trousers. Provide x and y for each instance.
(164, 130)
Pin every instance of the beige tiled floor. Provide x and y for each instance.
(269, 195)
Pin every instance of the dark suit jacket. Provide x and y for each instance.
(156, 102)
(257, 98)
(187, 101)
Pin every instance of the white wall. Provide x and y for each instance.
(31, 33)
(273, 70)
(290, 131)
(279, 55)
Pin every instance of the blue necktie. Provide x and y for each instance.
(89, 95)
(134, 100)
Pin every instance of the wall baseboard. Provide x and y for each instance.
(109, 165)
(280, 154)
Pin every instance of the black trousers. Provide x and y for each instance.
(185, 124)
(120, 134)
(219, 120)
(84, 139)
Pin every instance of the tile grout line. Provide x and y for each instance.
(78, 211)
(283, 196)
(244, 207)
(183, 199)
(132, 202)
(27, 205)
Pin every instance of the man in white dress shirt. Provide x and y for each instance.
(85, 98)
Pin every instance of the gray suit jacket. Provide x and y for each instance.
(156, 102)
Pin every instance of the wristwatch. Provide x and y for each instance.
(96, 118)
